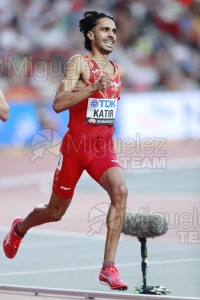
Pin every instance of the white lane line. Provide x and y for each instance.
(38, 178)
(8, 182)
(54, 244)
(29, 179)
(172, 261)
(57, 233)
(173, 164)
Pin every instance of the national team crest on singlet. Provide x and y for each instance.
(101, 111)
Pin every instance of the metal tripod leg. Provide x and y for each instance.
(153, 290)
(144, 263)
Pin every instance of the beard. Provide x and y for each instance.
(103, 47)
(106, 50)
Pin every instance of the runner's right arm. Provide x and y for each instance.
(68, 93)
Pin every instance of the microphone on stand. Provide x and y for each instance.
(143, 226)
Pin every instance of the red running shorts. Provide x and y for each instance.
(94, 156)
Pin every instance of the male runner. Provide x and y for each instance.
(90, 91)
(4, 108)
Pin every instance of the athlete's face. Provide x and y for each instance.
(104, 35)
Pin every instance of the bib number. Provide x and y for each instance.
(101, 111)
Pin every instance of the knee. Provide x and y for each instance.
(55, 215)
(50, 214)
(123, 191)
(119, 194)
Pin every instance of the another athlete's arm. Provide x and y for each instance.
(68, 93)
(4, 108)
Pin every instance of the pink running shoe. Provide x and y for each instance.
(110, 277)
(12, 240)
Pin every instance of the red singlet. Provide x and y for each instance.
(88, 143)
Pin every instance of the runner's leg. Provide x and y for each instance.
(45, 213)
(113, 182)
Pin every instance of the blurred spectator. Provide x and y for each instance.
(158, 43)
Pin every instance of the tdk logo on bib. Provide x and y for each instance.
(103, 103)
(107, 103)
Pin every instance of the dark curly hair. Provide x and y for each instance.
(89, 21)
